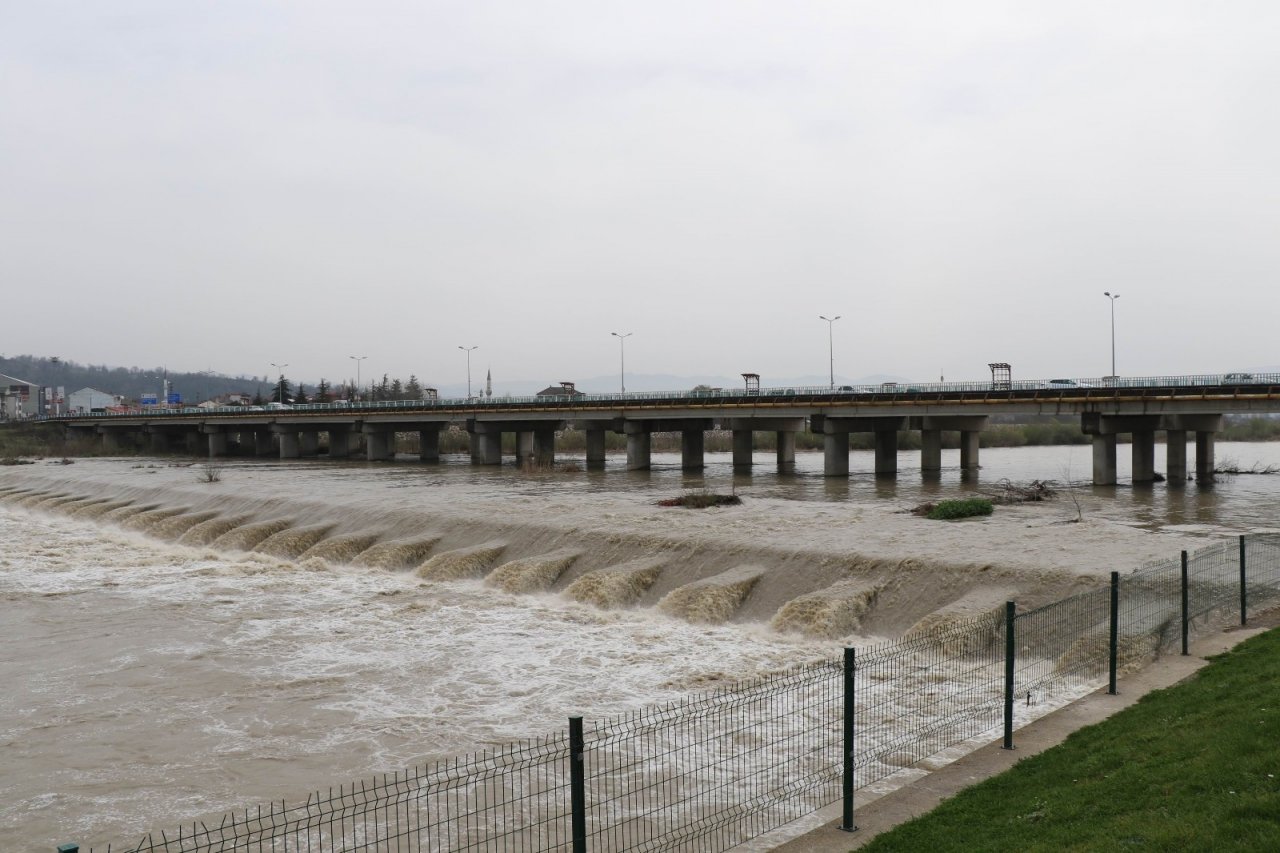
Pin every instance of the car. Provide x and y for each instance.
(1237, 378)
(1065, 384)
(275, 407)
(848, 389)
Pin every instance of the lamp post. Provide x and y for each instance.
(468, 350)
(1112, 297)
(280, 384)
(622, 352)
(831, 350)
(357, 359)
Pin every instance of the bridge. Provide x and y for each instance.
(1180, 406)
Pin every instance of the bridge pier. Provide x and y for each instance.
(886, 453)
(429, 444)
(786, 451)
(288, 438)
(638, 454)
(742, 449)
(217, 442)
(1104, 460)
(835, 452)
(969, 445)
(524, 447)
(110, 440)
(379, 442)
(595, 449)
(1144, 456)
(931, 451)
(544, 447)
(1175, 455)
(1204, 456)
(486, 443)
(692, 442)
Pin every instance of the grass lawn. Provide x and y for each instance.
(1192, 767)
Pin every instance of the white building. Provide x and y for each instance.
(18, 398)
(89, 400)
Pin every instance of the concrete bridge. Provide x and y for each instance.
(1184, 408)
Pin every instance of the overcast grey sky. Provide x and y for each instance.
(230, 184)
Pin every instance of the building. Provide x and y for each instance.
(88, 400)
(564, 389)
(19, 398)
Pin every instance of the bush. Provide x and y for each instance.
(965, 508)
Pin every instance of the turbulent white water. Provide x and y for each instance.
(326, 622)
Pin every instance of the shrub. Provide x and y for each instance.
(965, 508)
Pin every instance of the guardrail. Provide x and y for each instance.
(1245, 383)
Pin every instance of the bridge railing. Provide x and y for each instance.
(1088, 386)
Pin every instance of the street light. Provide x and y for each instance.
(831, 351)
(1112, 297)
(622, 351)
(280, 391)
(468, 352)
(357, 359)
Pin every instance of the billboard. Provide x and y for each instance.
(173, 398)
(148, 399)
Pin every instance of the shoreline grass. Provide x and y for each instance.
(1191, 767)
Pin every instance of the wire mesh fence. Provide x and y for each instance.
(718, 769)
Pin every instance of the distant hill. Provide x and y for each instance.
(128, 382)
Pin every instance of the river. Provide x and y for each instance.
(150, 682)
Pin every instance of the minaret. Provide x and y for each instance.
(488, 383)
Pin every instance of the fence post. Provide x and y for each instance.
(1244, 587)
(1115, 633)
(1185, 630)
(578, 785)
(850, 666)
(1009, 612)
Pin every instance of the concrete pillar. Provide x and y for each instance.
(263, 445)
(544, 447)
(691, 444)
(475, 448)
(379, 444)
(969, 450)
(1204, 456)
(524, 447)
(217, 444)
(1104, 460)
(886, 453)
(429, 444)
(931, 450)
(489, 445)
(835, 461)
(595, 449)
(1144, 456)
(786, 450)
(1176, 455)
(309, 443)
(290, 448)
(339, 443)
(742, 448)
(638, 451)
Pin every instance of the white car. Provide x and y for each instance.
(1065, 384)
(275, 407)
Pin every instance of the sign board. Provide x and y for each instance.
(147, 399)
(173, 398)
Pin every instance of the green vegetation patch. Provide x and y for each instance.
(701, 500)
(953, 509)
(1192, 767)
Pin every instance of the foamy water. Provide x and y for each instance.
(175, 649)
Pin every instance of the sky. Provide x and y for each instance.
(230, 185)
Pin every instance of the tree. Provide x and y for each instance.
(282, 392)
(257, 398)
(322, 394)
(413, 388)
(397, 390)
(301, 396)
